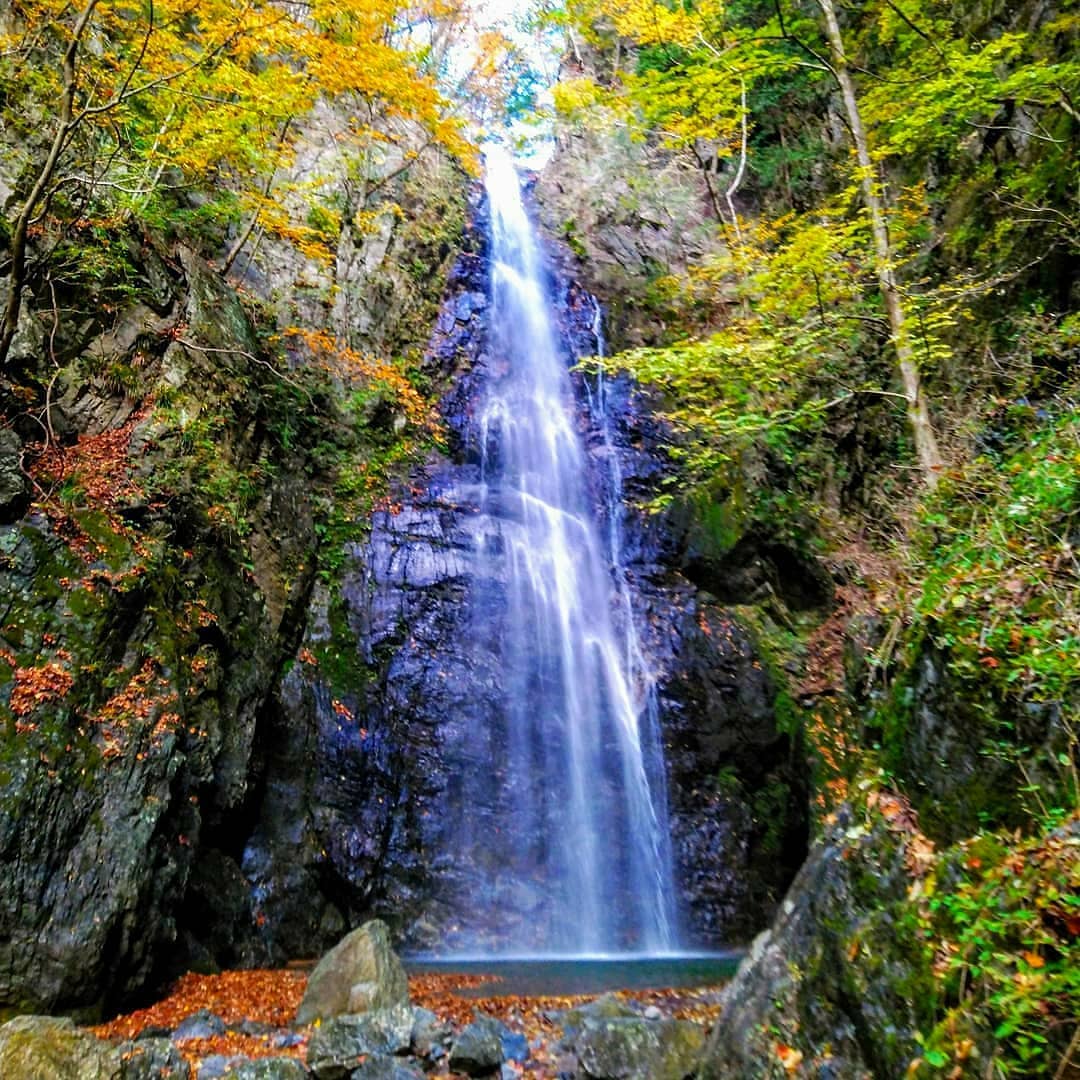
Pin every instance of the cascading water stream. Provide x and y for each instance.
(581, 712)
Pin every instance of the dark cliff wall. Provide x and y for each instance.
(175, 475)
(361, 798)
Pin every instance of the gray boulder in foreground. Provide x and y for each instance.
(342, 1043)
(360, 973)
(633, 1048)
(51, 1048)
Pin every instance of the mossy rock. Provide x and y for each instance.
(47, 1048)
(361, 972)
(633, 1048)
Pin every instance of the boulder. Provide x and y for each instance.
(151, 1059)
(339, 1046)
(12, 482)
(633, 1048)
(799, 985)
(360, 973)
(605, 1007)
(48, 1048)
(430, 1035)
(269, 1069)
(200, 1025)
(478, 1049)
(381, 1067)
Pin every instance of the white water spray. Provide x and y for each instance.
(581, 712)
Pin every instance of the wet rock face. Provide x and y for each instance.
(12, 482)
(137, 661)
(832, 978)
(365, 794)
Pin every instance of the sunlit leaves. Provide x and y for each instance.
(202, 94)
(800, 316)
(1008, 954)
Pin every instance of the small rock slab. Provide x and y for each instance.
(360, 973)
(479, 1048)
(33, 1047)
(280, 1068)
(633, 1048)
(218, 1066)
(150, 1059)
(340, 1045)
(200, 1025)
(381, 1067)
(605, 1007)
(430, 1035)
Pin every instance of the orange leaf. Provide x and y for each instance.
(789, 1057)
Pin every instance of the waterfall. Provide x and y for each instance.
(575, 789)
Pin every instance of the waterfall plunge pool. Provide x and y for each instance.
(560, 976)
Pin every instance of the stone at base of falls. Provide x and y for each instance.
(381, 1067)
(633, 1048)
(605, 1007)
(833, 979)
(151, 1059)
(360, 973)
(51, 1048)
(482, 1047)
(340, 1045)
(269, 1069)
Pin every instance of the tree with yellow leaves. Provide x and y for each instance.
(703, 74)
(132, 90)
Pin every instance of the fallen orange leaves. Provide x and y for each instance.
(262, 996)
(35, 686)
(265, 996)
(271, 997)
(98, 462)
(789, 1057)
(98, 465)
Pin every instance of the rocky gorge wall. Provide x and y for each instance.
(400, 673)
(172, 461)
(232, 709)
(139, 642)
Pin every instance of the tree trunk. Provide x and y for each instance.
(66, 124)
(918, 415)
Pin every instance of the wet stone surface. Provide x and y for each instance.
(365, 786)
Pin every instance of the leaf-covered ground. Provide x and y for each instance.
(269, 999)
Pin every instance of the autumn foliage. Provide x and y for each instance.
(149, 100)
(271, 998)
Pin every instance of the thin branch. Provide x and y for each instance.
(187, 343)
(788, 36)
(1020, 131)
(64, 130)
(922, 33)
(740, 173)
(96, 182)
(142, 51)
(165, 80)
